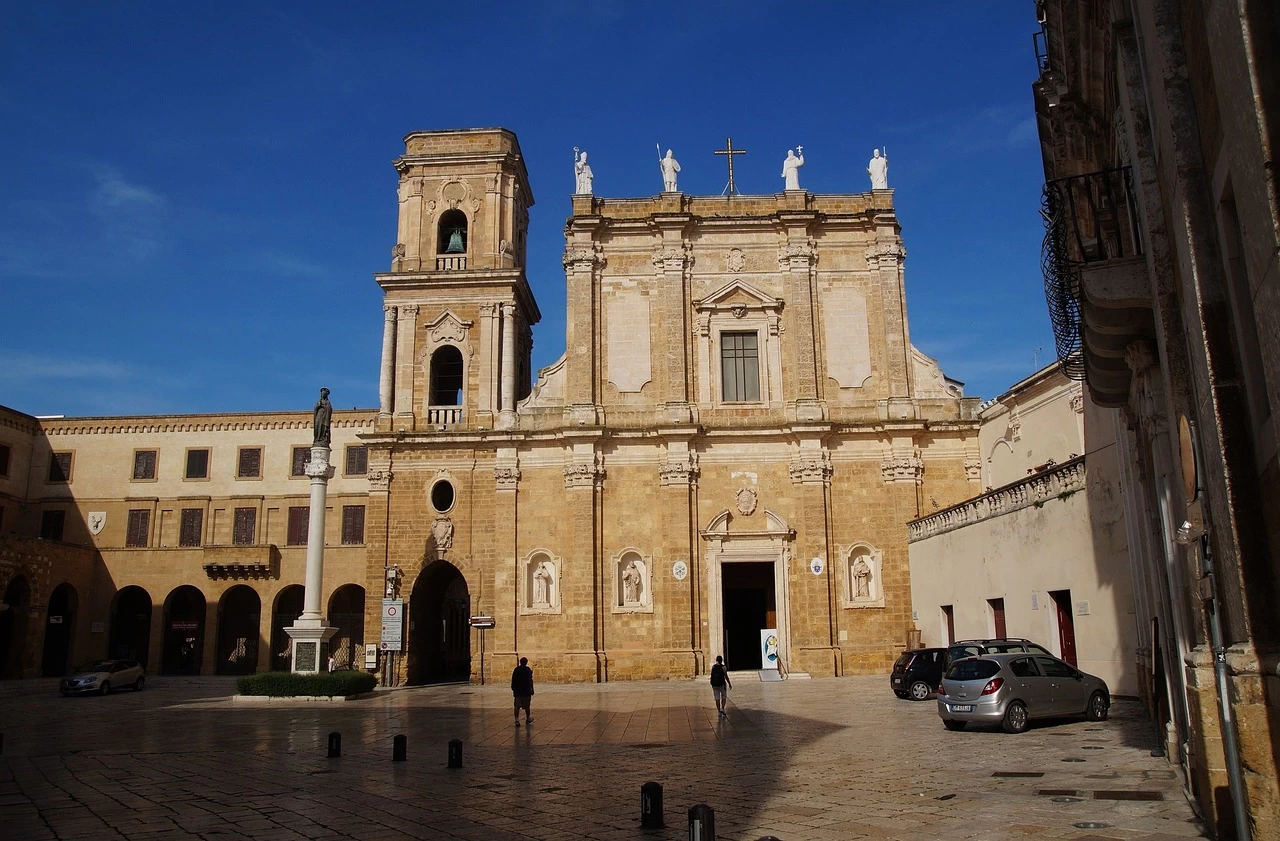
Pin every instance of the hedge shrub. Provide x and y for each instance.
(278, 684)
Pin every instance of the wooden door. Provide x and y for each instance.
(997, 617)
(1066, 625)
(949, 622)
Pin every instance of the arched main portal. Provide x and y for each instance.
(14, 619)
(239, 616)
(131, 625)
(346, 613)
(59, 631)
(439, 619)
(183, 631)
(288, 607)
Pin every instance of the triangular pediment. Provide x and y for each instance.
(738, 293)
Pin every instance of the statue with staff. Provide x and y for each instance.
(878, 169)
(582, 173)
(669, 166)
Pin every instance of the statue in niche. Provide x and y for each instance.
(861, 571)
(543, 585)
(582, 173)
(632, 581)
(878, 169)
(791, 168)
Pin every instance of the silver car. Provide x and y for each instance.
(102, 676)
(1012, 689)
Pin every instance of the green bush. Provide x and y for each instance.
(279, 684)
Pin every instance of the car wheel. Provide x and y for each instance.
(105, 688)
(920, 691)
(137, 684)
(952, 725)
(1015, 718)
(1098, 707)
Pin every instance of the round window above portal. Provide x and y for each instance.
(442, 496)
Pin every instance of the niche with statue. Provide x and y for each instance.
(861, 576)
(632, 582)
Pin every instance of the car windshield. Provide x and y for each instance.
(95, 666)
(973, 670)
(1003, 647)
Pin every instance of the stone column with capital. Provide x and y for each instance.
(406, 330)
(507, 416)
(309, 635)
(386, 378)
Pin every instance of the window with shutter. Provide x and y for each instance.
(197, 464)
(250, 463)
(301, 458)
(357, 461)
(144, 464)
(298, 522)
(138, 529)
(192, 527)
(51, 523)
(352, 524)
(60, 467)
(246, 526)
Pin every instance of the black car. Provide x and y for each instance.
(1002, 645)
(918, 672)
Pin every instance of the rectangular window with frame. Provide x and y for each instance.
(4, 459)
(740, 367)
(60, 467)
(246, 526)
(144, 464)
(51, 524)
(139, 528)
(299, 522)
(301, 458)
(249, 463)
(197, 464)
(352, 525)
(192, 527)
(357, 460)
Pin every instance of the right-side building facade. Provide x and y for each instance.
(1158, 124)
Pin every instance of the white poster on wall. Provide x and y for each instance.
(769, 648)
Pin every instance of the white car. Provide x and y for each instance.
(102, 676)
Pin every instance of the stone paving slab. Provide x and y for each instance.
(815, 760)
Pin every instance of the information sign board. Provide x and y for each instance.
(392, 624)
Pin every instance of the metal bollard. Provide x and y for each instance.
(455, 753)
(335, 745)
(768, 838)
(702, 823)
(651, 806)
(399, 748)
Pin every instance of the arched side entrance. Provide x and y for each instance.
(288, 607)
(59, 631)
(439, 619)
(239, 615)
(183, 631)
(131, 625)
(14, 619)
(346, 613)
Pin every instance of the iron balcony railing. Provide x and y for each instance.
(1089, 219)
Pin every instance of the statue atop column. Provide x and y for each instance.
(582, 173)
(670, 166)
(791, 168)
(322, 416)
(878, 169)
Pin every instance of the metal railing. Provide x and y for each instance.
(451, 264)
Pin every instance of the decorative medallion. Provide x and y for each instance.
(746, 502)
(817, 566)
(679, 570)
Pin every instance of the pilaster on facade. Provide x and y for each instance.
(379, 480)
(583, 257)
(886, 255)
(679, 470)
(507, 477)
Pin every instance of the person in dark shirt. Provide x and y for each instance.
(720, 683)
(522, 689)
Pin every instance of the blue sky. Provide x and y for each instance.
(194, 196)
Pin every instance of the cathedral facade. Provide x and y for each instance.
(733, 442)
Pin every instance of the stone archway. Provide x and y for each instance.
(288, 607)
(59, 631)
(440, 629)
(346, 613)
(239, 617)
(183, 631)
(15, 617)
(131, 625)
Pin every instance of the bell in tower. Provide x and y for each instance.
(456, 245)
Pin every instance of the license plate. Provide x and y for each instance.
(897, 680)
(962, 708)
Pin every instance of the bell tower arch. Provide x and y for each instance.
(457, 304)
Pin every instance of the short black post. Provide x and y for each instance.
(702, 823)
(335, 745)
(399, 748)
(769, 838)
(455, 753)
(651, 806)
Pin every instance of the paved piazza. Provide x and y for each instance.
(804, 760)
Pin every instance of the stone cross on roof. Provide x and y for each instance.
(729, 152)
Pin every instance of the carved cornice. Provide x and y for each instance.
(811, 469)
(679, 471)
(408, 310)
(585, 474)
(581, 258)
(886, 255)
(793, 257)
(1058, 482)
(131, 426)
(903, 468)
(671, 259)
(507, 478)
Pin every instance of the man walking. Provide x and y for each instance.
(522, 689)
(720, 683)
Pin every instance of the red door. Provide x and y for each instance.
(949, 618)
(997, 617)
(1066, 625)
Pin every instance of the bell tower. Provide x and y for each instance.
(456, 341)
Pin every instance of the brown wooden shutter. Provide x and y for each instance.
(192, 527)
(144, 464)
(197, 464)
(357, 461)
(139, 526)
(353, 524)
(246, 524)
(298, 525)
(301, 458)
(250, 466)
(60, 467)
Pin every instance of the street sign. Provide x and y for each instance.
(482, 622)
(392, 624)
